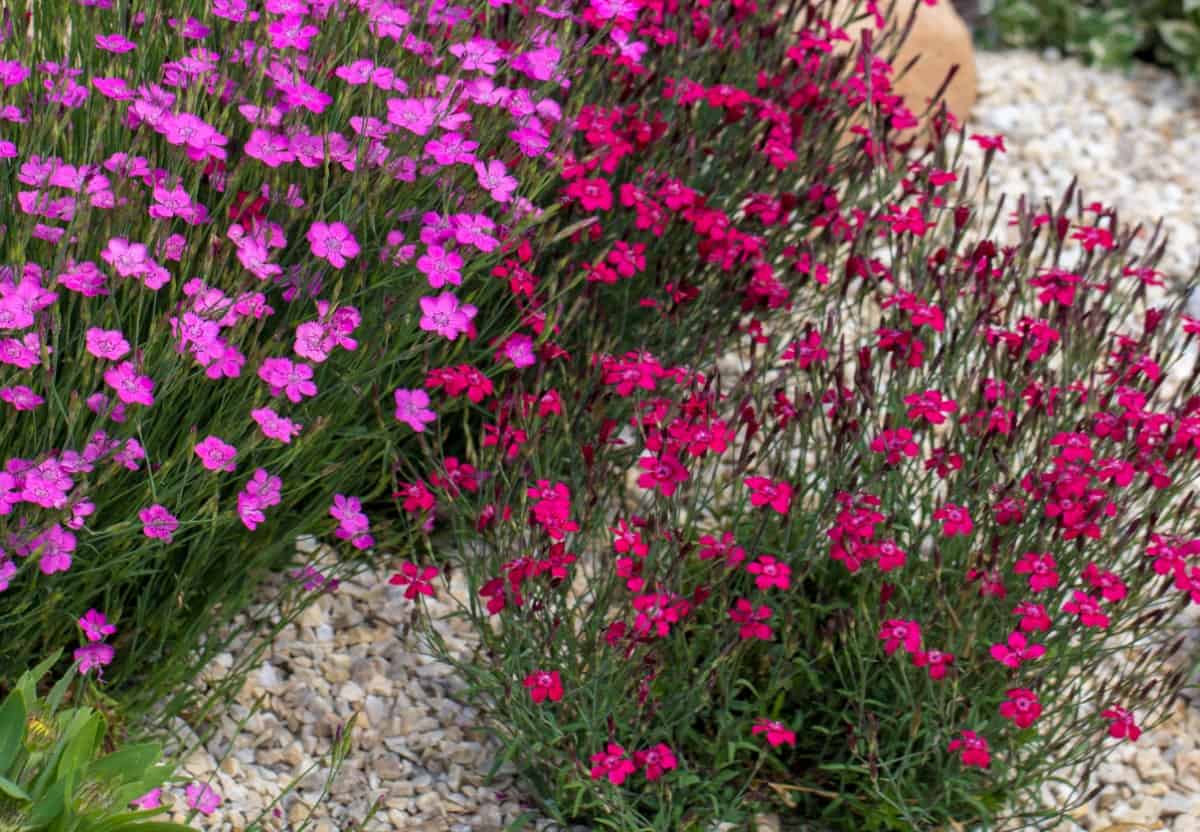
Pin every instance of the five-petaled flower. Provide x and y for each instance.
(544, 684)
(767, 492)
(1022, 707)
(418, 579)
(613, 764)
(769, 573)
(655, 761)
(1016, 650)
(896, 633)
(216, 455)
(956, 520)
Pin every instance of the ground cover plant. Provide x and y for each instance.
(1164, 32)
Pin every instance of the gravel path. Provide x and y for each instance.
(1134, 141)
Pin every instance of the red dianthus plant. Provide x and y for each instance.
(851, 531)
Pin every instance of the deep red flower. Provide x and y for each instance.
(417, 579)
(1121, 724)
(655, 761)
(974, 749)
(777, 733)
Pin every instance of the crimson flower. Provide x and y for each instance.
(1040, 568)
(1088, 609)
(955, 520)
(416, 578)
(974, 749)
(751, 620)
(655, 761)
(1121, 724)
(544, 685)
(612, 764)
(937, 662)
(764, 492)
(1016, 650)
(1022, 707)
(769, 573)
(663, 472)
(896, 633)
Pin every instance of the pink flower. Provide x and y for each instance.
(955, 520)
(752, 620)
(150, 800)
(1033, 616)
(202, 797)
(937, 662)
(493, 178)
(1040, 569)
(1022, 707)
(261, 492)
(275, 426)
(440, 267)
(107, 344)
(1016, 651)
(94, 656)
(664, 472)
(656, 761)
(417, 579)
(929, 406)
(1121, 724)
(445, 315)
(131, 388)
(974, 749)
(412, 408)
(770, 573)
(777, 733)
(294, 379)
(543, 685)
(21, 397)
(158, 523)
(216, 455)
(332, 242)
(519, 350)
(897, 633)
(353, 523)
(95, 626)
(612, 764)
(127, 258)
(115, 43)
(766, 492)
(1088, 609)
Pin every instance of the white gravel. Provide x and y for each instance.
(1134, 142)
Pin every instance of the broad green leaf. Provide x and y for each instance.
(13, 790)
(128, 763)
(12, 729)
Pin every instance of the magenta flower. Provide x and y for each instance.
(131, 388)
(543, 685)
(777, 733)
(974, 749)
(202, 798)
(662, 471)
(493, 178)
(752, 620)
(275, 426)
(216, 455)
(150, 800)
(94, 656)
(115, 43)
(655, 761)
(937, 662)
(95, 626)
(272, 149)
(446, 316)
(612, 764)
(769, 572)
(440, 267)
(412, 408)
(129, 259)
(896, 633)
(417, 579)
(955, 520)
(283, 375)
(1017, 650)
(332, 242)
(21, 397)
(106, 344)
(519, 350)
(1040, 567)
(766, 492)
(1022, 707)
(158, 523)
